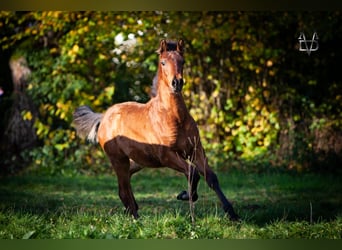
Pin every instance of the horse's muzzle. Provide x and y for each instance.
(177, 84)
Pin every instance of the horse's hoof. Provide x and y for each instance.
(235, 218)
(184, 196)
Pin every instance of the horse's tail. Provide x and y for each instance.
(87, 123)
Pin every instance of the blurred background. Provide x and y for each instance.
(261, 104)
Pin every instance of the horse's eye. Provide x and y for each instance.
(163, 63)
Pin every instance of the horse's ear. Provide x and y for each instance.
(180, 46)
(162, 46)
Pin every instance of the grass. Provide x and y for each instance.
(274, 205)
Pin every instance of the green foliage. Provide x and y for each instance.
(252, 93)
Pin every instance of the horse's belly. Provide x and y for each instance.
(145, 157)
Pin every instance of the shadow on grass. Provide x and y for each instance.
(258, 198)
(43, 195)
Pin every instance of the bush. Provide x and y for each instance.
(255, 97)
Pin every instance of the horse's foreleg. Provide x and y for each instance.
(193, 178)
(212, 181)
(121, 168)
(174, 161)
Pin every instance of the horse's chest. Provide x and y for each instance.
(187, 138)
(177, 133)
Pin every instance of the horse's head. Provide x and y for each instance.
(171, 61)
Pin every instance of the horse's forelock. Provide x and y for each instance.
(170, 46)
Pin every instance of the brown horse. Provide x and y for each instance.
(160, 133)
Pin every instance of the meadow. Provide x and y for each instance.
(275, 205)
(259, 102)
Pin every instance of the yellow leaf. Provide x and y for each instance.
(238, 123)
(27, 116)
(215, 93)
(75, 48)
(269, 63)
(53, 50)
(59, 105)
(251, 89)
(102, 57)
(109, 91)
(56, 14)
(97, 102)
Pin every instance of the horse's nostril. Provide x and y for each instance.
(174, 82)
(177, 84)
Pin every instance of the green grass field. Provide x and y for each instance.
(274, 205)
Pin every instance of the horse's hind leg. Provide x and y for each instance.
(121, 167)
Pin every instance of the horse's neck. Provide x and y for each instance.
(172, 103)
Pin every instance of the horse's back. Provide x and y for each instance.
(118, 120)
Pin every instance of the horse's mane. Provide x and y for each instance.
(154, 86)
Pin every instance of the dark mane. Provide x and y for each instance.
(154, 86)
(171, 46)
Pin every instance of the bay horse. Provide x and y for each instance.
(159, 133)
